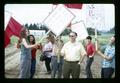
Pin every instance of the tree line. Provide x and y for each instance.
(91, 31)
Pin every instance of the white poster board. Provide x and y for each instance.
(80, 29)
(59, 19)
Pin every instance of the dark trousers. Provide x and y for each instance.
(33, 67)
(107, 72)
(47, 64)
(88, 67)
(71, 68)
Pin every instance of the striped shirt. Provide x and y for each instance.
(109, 51)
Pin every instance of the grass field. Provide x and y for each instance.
(103, 39)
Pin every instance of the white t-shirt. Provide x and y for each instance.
(47, 47)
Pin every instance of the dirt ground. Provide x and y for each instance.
(12, 58)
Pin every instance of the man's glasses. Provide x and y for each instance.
(71, 36)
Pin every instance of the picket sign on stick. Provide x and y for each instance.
(58, 19)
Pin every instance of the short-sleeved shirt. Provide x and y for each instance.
(33, 53)
(73, 51)
(90, 49)
(109, 51)
(48, 46)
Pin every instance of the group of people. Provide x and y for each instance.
(64, 59)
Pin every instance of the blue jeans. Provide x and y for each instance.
(88, 67)
(56, 67)
(33, 67)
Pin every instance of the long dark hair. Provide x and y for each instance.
(33, 42)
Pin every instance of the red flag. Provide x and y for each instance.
(7, 39)
(13, 28)
(76, 6)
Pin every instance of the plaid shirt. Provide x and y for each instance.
(109, 51)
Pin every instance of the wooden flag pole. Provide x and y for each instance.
(96, 41)
(58, 57)
(96, 46)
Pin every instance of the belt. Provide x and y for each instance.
(57, 56)
(71, 61)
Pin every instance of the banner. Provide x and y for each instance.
(59, 19)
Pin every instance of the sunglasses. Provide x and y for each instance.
(71, 36)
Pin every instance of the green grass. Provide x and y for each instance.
(103, 39)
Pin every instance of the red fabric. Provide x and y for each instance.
(76, 6)
(33, 53)
(6, 39)
(90, 49)
(13, 28)
(40, 47)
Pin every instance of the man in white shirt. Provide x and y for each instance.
(73, 53)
